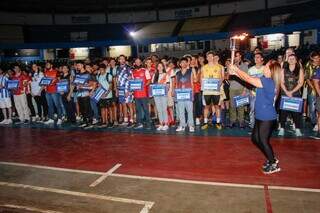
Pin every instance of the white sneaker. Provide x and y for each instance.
(160, 128)
(94, 121)
(315, 129)
(50, 121)
(3, 122)
(8, 121)
(78, 118)
(293, 126)
(59, 122)
(165, 128)
(191, 129)
(180, 129)
(298, 133)
(33, 118)
(197, 121)
(279, 126)
(281, 132)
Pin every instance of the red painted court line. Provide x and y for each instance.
(267, 199)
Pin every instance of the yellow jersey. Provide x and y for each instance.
(212, 71)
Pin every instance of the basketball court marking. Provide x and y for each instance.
(105, 175)
(28, 208)
(209, 183)
(147, 204)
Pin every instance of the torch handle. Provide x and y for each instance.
(232, 55)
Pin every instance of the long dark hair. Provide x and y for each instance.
(296, 70)
(156, 75)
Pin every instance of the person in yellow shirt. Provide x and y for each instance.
(212, 70)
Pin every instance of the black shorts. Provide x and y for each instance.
(104, 103)
(212, 99)
(115, 99)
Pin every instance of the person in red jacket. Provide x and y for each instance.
(19, 95)
(52, 96)
(142, 96)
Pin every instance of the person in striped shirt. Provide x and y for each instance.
(5, 100)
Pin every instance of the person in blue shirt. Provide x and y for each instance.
(265, 113)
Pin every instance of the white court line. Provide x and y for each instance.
(147, 204)
(51, 168)
(105, 175)
(166, 179)
(28, 208)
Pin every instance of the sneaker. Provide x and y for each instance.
(18, 122)
(204, 127)
(160, 128)
(298, 133)
(180, 129)
(83, 125)
(3, 122)
(219, 126)
(293, 126)
(124, 124)
(266, 164)
(315, 128)
(50, 121)
(279, 126)
(138, 126)
(26, 121)
(130, 125)
(88, 126)
(59, 122)
(317, 136)
(165, 128)
(271, 168)
(8, 121)
(281, 132)
(94, 121)
(197, 121)
(104, 125)
(148, 127)
(99, 125)
(191, 128)
(111, 125)
(78, 118)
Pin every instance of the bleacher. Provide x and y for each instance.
(157, 29)
(204, 25)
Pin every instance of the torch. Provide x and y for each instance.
(233, 41)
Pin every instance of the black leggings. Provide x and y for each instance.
(30, 105)
(261, 137)
(197, 105)
(85, 108)
(297, 118)
(41, 105)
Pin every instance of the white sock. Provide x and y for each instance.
(218, 120)
(206, 120)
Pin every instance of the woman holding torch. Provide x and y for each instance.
(265, 113)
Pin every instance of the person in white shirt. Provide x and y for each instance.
(5, 100)
(255, 71)
(37, 93)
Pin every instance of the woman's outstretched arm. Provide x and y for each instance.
(234, 70)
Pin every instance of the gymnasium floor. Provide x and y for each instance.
(66, 169)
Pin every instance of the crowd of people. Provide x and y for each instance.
(161, 93)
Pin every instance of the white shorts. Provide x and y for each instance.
(5, 103)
